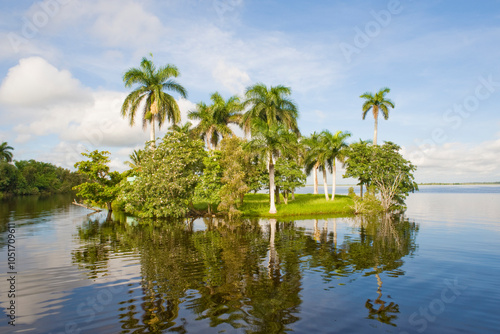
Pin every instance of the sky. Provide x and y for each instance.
(62, 63)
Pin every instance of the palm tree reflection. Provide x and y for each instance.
(247, 274)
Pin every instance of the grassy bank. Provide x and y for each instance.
(257, 205)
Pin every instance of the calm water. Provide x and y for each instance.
(436, 271)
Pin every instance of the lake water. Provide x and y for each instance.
(435, 271)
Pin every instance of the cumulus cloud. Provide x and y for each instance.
(81, 118)
(35, 82)
(454, 162)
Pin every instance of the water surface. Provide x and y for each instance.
(435, 270)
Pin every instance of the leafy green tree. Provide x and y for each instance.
(358, 157)
(102, 186)
(392, 175)
(9, 177)
(377, 103)
(215, 119)
(234, 162)
(151, 96)
(209, 188)
(384, 169)
(165, 185)
(257, 176)
(5, 152)
(272, 105)
(289, 176)
(270, 142)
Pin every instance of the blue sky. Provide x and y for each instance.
(62, 61)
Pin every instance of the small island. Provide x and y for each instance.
(205, 169)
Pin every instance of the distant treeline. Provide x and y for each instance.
(36, 178)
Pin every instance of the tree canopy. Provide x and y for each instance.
(166, 183)
(377, 103)
(5, 152)
(102, 186)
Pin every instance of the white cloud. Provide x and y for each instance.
(231, 77)
(456, 162)
(35, 82)
(125, 24)
(185, 106)
(82, 121)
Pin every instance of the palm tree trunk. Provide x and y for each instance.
(152, 134)
(315, 173)
(375, 130)
(209, 140)
(325, 185)
(334, 179)
(272, 208)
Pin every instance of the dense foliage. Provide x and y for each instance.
(383, 169)
(30, 177)
(235, 163)
(102, 186)
(209, 188)
(289, 176)
(167, 179)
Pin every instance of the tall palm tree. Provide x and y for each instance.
(271, 105)
(271, 141)
(150, 95)
(336, 149)
(215, 118)
(377, 103)
(5, 154)
(310, 160)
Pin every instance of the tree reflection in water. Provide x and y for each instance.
(247, 274)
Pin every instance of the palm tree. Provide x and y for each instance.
(150, 95)
(135, 159)
(185, 128)
(316, 159)
(271, 105)
(376, 103)
(310, 162)
(5, 154)
(215, 118)
(336, 149)
(271, 141)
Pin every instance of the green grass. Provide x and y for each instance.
(257, 205)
